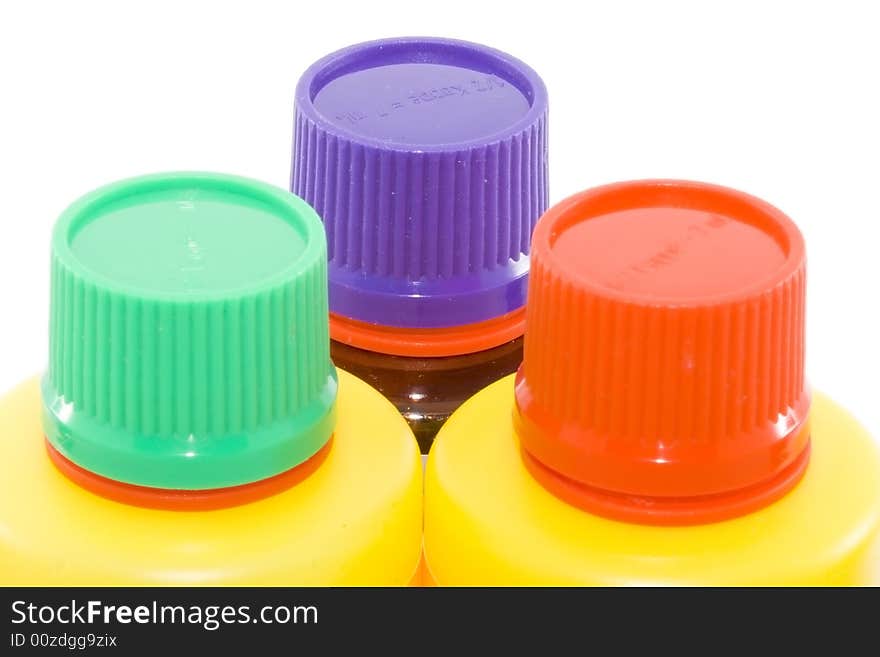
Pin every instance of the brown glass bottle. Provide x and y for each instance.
(426, 390)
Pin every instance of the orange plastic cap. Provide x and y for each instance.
(663, 377)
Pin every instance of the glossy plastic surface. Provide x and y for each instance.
(429, 342)
(355, 520)
(489, 522)
(663, 371)
(427, 160)
(176, 499)
(189, 343)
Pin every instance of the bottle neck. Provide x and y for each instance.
(668, 482)
(428, 342)
(186, 500)
(668, 511)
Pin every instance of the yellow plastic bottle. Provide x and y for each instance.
(660, 430)
(190, 428)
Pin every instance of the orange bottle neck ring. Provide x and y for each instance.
(677, 483)
(185, 500)
(429, 342)
(668, 511)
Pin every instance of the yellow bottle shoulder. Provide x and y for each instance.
(488, 522)
(356, 520)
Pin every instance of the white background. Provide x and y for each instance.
(778, 99)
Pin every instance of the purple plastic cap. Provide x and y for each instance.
(427, 160)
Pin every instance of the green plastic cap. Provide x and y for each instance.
(189, 344)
